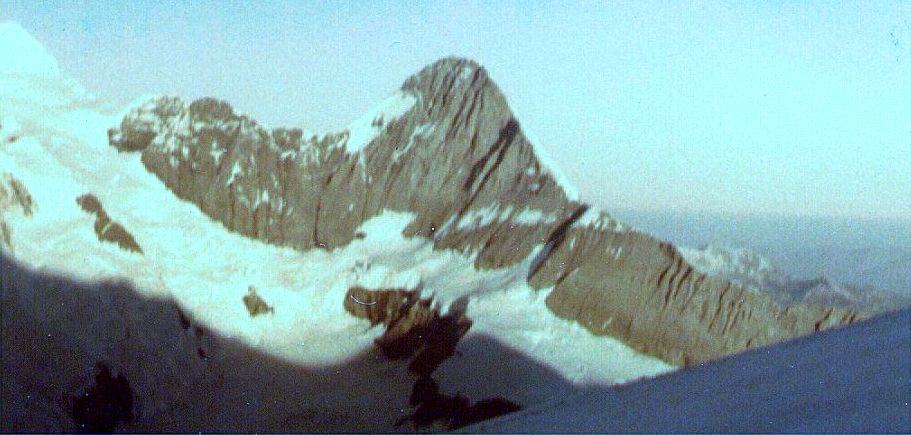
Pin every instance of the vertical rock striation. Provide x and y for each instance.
(447, 147)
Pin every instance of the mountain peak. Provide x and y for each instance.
(447, 67)
(451, 83)
(461, 87)
(21, 53)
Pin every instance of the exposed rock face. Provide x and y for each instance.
(379, 306)
(447, 148)
(628, 285)
(413, 326)
(106, 229)
(255, 304)
(416, 330)
(14, 197)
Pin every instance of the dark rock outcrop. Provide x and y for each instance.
(106, 229)
(255, 304)
(448, 149)
(414, 328)
(379, 306)
(14, 197)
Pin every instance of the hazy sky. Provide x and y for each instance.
(767, 107)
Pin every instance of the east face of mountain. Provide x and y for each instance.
(447, 148)
(757, 273)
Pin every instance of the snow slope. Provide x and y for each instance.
(55, 142)
(851, 379)
(178, 241)
(24, 55)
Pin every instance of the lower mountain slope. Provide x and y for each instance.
(168, 339)
(102, 356)
(447, 148)
(231, 298)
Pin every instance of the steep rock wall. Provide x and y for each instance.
(448, 148)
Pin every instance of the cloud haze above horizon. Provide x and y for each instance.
(781, 108)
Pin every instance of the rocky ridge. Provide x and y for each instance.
(447, 147)
(757, 273)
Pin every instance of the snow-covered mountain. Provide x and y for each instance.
(177, 267)
(756, 272)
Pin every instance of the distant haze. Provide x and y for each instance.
(860, 252)
(786, 108)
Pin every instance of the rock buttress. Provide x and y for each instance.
(633, 287)
(452, 152)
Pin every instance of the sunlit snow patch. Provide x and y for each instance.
(495, 213)
(207, 269)
(601, 220)
(366, 128)
(519, 318)
(482, 217)
(29, 70)
(531, 216)
(20, 53)
(421, 132)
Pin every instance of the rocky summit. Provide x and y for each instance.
(447, 148)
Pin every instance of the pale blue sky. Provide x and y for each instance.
(768, 107)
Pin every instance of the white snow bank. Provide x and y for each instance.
(853, 379)
(600, 219)
(21, 53)
(496, 213)
(63, 153)
(530, 216)
(482, 217)
(28, 71)
(729, 262)
(366, 128)
(519, 318)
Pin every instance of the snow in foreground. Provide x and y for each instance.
(54, 141)
(851, 379)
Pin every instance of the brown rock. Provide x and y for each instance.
(413, 327)
(106, 229)
(379, 306)
(459, 160)
(255, 304)
(14, 197)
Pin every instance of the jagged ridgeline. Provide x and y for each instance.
(447, 148)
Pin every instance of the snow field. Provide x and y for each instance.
(61, 151)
